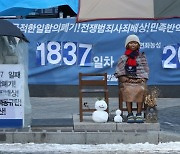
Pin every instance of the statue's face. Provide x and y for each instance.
(133, 45)
(100, 105)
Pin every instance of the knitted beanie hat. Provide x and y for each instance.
(132, 38)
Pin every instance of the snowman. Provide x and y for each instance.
(100, 115)
(118, 117)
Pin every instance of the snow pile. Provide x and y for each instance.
(171, 147)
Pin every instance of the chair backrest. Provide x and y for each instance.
(93, 80)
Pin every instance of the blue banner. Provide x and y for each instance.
(61, 48)
(23, 7)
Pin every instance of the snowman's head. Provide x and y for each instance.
(100, 105)
(118, 112)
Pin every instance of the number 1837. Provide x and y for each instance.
(64, 53)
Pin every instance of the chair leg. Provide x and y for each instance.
(107, 101)
(80, 107)
(121, 102)
(145, 107)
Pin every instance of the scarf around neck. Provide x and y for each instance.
(131, 63)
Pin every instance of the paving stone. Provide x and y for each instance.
(138, 126)
(89, 125)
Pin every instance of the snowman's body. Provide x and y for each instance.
(118, 117)
(100, 115)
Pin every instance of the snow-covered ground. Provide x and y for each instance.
(140, 148)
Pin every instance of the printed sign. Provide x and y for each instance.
(11, 95)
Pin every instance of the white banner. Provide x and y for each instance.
(11, 91)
